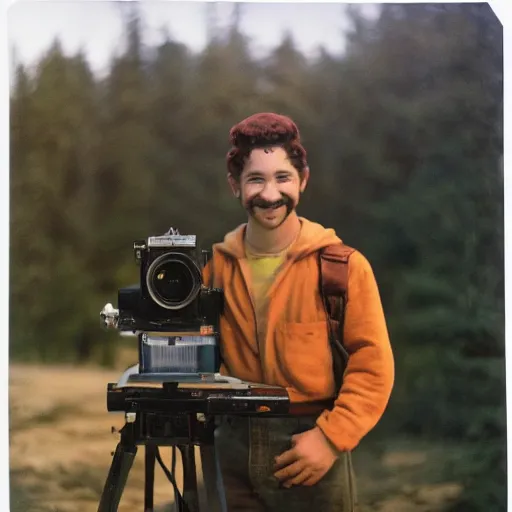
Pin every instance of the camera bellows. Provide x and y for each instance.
(178, 354)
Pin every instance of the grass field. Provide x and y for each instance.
(61, 444)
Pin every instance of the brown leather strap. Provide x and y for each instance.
(334, 261)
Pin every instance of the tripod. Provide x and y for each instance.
(180, 415)
(151, 430)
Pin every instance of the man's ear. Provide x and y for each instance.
(234, 184)
(304, 179)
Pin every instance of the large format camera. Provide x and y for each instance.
(172, 396)
(175, 315)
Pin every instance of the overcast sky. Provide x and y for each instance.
(97, 25)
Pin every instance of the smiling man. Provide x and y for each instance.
(274, 330)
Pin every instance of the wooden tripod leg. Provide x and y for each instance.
(117, 477)
(149, 481)
(190, 495)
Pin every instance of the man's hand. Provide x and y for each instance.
(309, 459)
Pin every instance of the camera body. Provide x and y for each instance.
(171, 295)
(175, 315)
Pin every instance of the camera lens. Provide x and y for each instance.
(173, 281)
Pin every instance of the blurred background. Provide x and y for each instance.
(119, 125)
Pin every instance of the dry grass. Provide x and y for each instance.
(61, 444)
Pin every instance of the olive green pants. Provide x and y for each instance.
(246, 449)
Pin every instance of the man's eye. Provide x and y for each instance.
(283, 178)
(255, 180)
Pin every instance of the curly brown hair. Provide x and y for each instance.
(262, 130)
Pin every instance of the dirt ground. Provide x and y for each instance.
(61, 444)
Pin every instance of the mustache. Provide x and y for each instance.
(258, 202)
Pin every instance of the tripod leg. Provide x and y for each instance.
(149, 484)
(117, 477)
(190, 495)
(210, 472)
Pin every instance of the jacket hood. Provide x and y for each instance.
(312, 237)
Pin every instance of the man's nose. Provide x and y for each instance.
(270, 192)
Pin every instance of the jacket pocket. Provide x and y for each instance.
(304, 358)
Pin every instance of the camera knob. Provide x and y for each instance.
(109, 315)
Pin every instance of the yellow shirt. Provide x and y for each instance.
(264, 268)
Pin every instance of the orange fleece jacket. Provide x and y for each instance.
(294, 352)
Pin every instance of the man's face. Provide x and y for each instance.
(269, 187)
